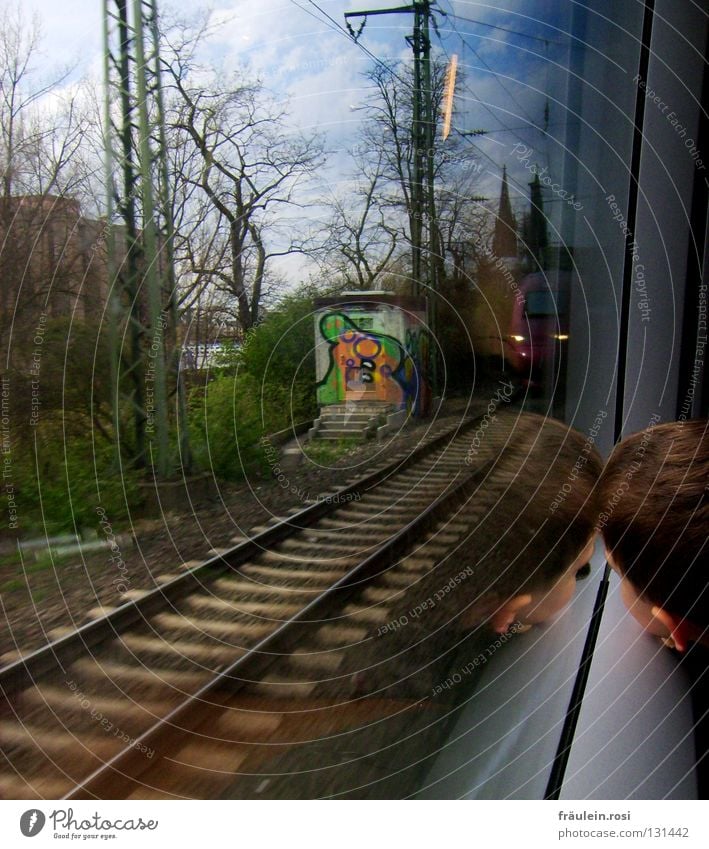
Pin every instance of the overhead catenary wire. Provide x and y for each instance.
(532, 124)
(497, 26)
(335, 26)
(498, 167)
(489, 109)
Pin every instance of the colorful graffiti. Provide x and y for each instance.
(417, 369)
(368, 365)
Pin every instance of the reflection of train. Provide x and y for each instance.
(539, 327)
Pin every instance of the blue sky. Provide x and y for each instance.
(298, 52)
(508, 51)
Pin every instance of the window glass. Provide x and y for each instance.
(521, 262)
(479, 216)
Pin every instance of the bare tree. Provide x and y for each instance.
(360, 238)
(241, 176)
(466, 227)
(384, 218)
(42, 121)
(38, 143)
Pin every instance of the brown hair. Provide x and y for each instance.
(655, 515)
(536, 509)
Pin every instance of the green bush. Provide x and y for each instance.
(279, 354)
(265, 386)
(60, 481)
(226, 424)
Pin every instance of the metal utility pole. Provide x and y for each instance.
(139, 235)
(423, 132)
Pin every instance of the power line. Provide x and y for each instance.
(520, 127)
(485, 105)
(520, 187)
(496, 26)
(335, 26)
(466, 137)
(463, 134)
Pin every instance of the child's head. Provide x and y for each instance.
(655, 501)
(534, 518)
(530, 516)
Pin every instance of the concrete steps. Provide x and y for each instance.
(360, 420)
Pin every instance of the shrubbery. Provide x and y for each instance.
(279, 354)
(64, 468)
(60, 463)
(60, 477)
(263, 387)
(226, 426)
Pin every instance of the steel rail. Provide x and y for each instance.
(129, 764)
(59, 653)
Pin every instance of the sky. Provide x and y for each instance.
(298, 52)
(511, 54)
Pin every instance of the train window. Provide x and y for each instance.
(503, 224)
(562, 232)
(590, 186)
(624, 186)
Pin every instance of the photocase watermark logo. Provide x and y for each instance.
(32, 822)
(63, 820)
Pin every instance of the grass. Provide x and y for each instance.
(44, 561)
(323, 452)
(42, 565)
(9, 559)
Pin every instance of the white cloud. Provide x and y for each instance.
(307, 62)
(71, 31)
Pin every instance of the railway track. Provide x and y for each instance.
(248, 654)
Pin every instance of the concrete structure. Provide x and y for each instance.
(372, 352)
(60, 251)
(52, 264)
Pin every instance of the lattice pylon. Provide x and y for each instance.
(143, 312)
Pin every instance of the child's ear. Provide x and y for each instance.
(506, 615)
(680, 630)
